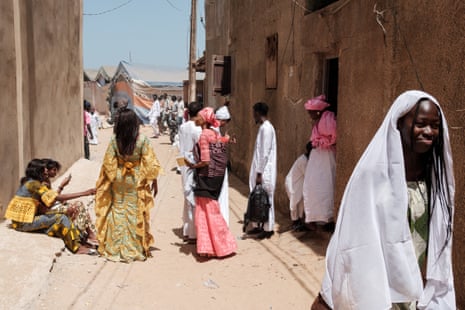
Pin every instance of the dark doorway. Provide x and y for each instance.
(332, 82)
(315, 5)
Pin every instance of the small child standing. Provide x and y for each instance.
(294, 188)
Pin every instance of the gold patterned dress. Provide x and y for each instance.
(23, 210)
(123, 202)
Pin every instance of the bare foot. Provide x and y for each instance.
(86, 250)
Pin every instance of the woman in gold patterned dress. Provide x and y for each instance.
(28, 210)
(124, 192)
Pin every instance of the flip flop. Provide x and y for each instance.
(92, 252)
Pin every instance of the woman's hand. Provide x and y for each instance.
(91, 192)
(231, 138)
(189, 164)
(155, 188)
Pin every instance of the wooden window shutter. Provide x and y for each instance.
(221, 75)
(271, 74)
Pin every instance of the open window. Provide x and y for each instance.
(315, 5)
(221, 75)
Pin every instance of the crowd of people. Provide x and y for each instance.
(167, 113)
(391, 247)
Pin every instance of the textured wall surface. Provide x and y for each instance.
(41, 65)
(422, 46)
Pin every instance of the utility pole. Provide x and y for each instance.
(192, 54)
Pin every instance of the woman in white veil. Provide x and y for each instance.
(392, 245)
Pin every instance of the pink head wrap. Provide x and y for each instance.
(209, 116)
(317, 104)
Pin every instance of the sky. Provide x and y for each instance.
(152, 32)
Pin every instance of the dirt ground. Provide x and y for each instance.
(283, 272)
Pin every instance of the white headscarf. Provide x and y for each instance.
(370, 261)
(223, 114)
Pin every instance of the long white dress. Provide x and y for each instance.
(318, 187)
(371, 261)
(295, 186)
(189, 135)
(320, 174)
(153, 116)
(94, 126)
(264, 162)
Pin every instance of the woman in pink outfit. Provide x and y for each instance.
(320, 173)
(213, 236)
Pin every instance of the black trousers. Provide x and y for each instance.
(86, 148)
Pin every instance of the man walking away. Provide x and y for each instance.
(189, 135)
(181, 108)
(154, 115)
(263, 168)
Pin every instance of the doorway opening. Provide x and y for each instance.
(331, 82)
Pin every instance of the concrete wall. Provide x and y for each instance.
(423, 46)
(41, 65)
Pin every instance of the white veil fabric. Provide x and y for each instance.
(370, 261)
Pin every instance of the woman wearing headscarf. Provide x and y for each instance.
(320, 173)
(124, 192)
(392, 244)
(28, 209)
(213, 236)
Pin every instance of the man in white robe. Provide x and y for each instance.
(263, 169)
(95, 125)
(223, 116)
(189, 135)
(154, 115)
(180, 111)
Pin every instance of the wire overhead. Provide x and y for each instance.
(110, 10)
(173, 6)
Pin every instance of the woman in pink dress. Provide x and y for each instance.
(320, 174)
(213, 236)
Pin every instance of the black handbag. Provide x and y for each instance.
(258, 207)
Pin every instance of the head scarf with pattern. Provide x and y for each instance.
(209, 116)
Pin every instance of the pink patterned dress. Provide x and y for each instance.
(213, 235)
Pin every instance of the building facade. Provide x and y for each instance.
(361, 53)
(41, 106)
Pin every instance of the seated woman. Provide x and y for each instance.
(32, 196)
(124, 198)
(76, 210)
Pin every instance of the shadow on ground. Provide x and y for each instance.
(316, 240)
